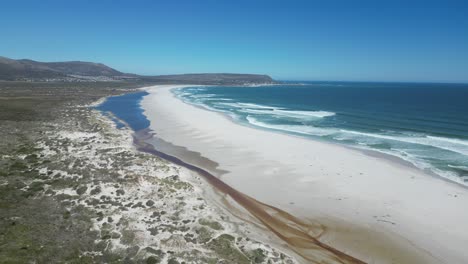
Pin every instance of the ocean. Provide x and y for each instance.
(422, 123)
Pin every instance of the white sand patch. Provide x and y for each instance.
(43, 170)
(75, 135)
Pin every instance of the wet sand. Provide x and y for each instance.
(363, 207)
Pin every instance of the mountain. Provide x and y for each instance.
(73, 71)
(34, 70)
(75, 68)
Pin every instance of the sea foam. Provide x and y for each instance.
(457, 146)
(298, 129)
(276, 111)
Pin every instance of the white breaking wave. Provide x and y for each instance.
(182, 93)
(248, 106)
(437, 142)
(298, 129)
(314, 114)
(416, 161)
(451, 140)
(276, 111)
(464, 168)
(303, 115)
(203, 96)
(259, 84)
(197, 89)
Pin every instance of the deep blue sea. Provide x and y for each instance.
(425, 124)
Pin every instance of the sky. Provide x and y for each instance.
(289, 40)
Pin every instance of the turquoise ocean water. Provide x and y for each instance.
(425, 124)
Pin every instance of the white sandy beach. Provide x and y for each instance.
(377, 210)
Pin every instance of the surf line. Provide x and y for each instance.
(290, 229)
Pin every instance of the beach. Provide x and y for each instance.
(374, 209)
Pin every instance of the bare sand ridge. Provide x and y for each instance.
(345, 203)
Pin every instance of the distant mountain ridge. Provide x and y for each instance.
(29, 70)
(77, 68)
(213, 78)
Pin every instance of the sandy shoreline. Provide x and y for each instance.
(298, 235)
(373, 209)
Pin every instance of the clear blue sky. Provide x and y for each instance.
(289, 39)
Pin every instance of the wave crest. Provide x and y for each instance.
(277, 111)
(298, 129)
(458, 146)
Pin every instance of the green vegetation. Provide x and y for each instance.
(225, 248)
(212, 224)
(35, 224)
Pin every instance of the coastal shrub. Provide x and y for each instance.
(132, 251)
(212, 224)
(81, 190)
(152, 260)
(18, 165)
(258, 255)
(204, 235)
(66, 215)
(173, 261)
(36, 187)
(224, 247)
(95, 191)
(127, 237)
(32, 158)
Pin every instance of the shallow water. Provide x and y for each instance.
(126, 108)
